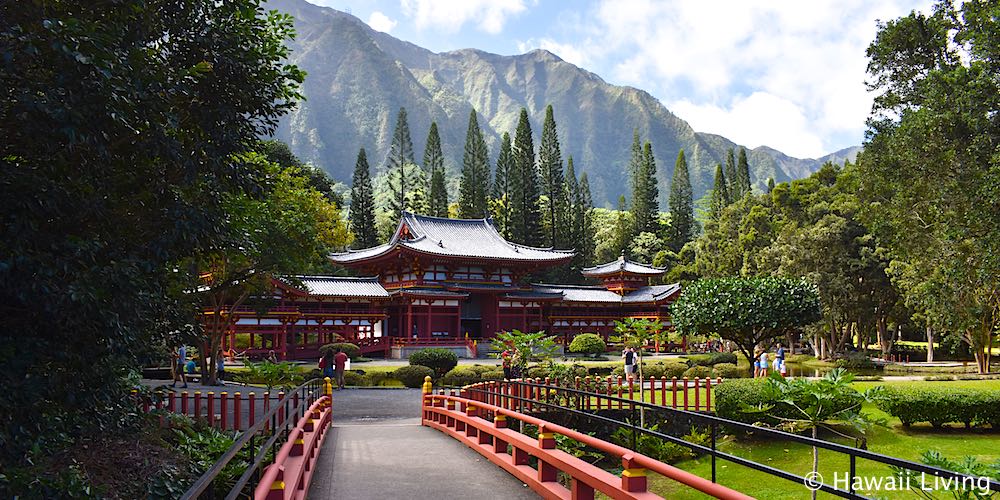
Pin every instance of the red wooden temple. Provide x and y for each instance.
(444, 281)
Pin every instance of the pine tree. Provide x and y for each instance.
(720, 193)
(501, 187)
(362, 213)
(401, 179)
(525, 213)
(742, 175)
(586, 245)
(770, 184)
(623, 228)
(645, 202)
(636, 173)
(434, 164)
(576, 232)
(550, 165)
(730, 173)
(475, 173)
(681, 205)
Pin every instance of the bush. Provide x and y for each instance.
(731, 395)
(658, 370)
(588, 343)
(413, 376)
(352, 351)
(729, 370)
(460, 377)
(353, 379)
(711, 359)
(941, 405)
(435, 358)
(698, 372)
(855, 360)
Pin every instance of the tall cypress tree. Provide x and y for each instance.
(586, 244)
(681, 204)
(623, 228)
(636, 176)
(434, 163)
(362, 213)
(525, 213)
(401, 178)
(730, 173)
(742, 175)
(720, 193)
(576, 232)
(550, 165)
(501, 187)
(645, 202)
(475, 173)
(770, 184)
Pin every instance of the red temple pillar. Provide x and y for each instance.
(283, 342)
(458, 321)
(428, 322)
(408, 332)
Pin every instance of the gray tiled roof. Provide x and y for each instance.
(579, 293)
(653, 293)
(622, 265)
(338, 286)
(475, 238)
(431, 292)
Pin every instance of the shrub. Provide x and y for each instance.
(729, 370)
(652, 446)
(460, 376)
(698, 372)
(413, 376)
(435, 358)
(353, 379)
(855, 360)
(733, 394)
(352, 351)
(659, 370)
(711, 359)
(941, 405)
(588, 343)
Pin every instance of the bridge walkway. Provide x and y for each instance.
(377, 449)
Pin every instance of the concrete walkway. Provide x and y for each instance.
(377, 449)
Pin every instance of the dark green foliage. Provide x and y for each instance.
(941, 405)
(698, 372)
(502, 194)
(646, 201)
(720, 194)
(736, 399)
(280, 154)
(122, 129)
(465, 375)
(525, 214)
(711, 359)
(412, 376)
(586, 247)
(742, 181)
(770, 184)
(578, 233)
(552, 183)
(437, 359)
(659, 369)
(434, 163)
(588, 343)
(352, 350)
(682, 225)
(402, 181)
(473, 190)
(728, 370)
(362, 212)
(651, 446)
(284, 374)
(731, 182)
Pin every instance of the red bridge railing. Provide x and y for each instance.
(496, 440)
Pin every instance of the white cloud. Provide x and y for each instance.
(381, 22)
(721, 64)
(451, 15)
(566, 51)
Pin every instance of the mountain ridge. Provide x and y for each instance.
(358, 78)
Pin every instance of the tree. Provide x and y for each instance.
(720, 194)
(642, 170)
(500, 205)
(362, 212)
(731, 187)
(434, 163)
(586, 249)
(681, 205)
(526, 346)
(742, 181)
(550, 164)
(929, 174)
(280, 154)
(122, 130)
(525, 214)
(750, 312)
(402, 180)
(475, 173)
(579, 233)
(624, 229)
(590, 344)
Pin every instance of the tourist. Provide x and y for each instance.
(180, 358)
(505, 357)
(629, 355)
(339, 363)
(326, 364)
(756, 363)
(220, 368)
(779, 359)
(763, 363)
(272, 357)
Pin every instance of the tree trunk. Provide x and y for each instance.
(884, 342)
(930, 344)
(815, 459)
(816, 346)
(980, 354)
(790, 341)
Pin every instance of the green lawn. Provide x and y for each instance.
(893, 440)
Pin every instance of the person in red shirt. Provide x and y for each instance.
(339, 362)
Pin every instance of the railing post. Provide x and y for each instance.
(499, 445)
(170, 402)
(546, 441)
(184, 403)
(708, 393)
(633, 476)
(237, 404)
(652, 390)
(580, 490)
(252, 396)
(211, 409)
(697, 393)
(277, 491)
(223, 409)
(471, 411)
(620, 393)
(685, 393)
(450, 404)
(428, 386)
(267, 406)
(281, 408)
(631, 389)
(673, 388)
(197, 404)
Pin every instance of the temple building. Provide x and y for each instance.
(444, 282)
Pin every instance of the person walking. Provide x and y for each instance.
(763, 362)
(779, 359)
(756, 363)
(326, 365)
(220, 368)
(180, 360)
(629, 356)
(339, 363)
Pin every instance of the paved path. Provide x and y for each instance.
(377, 449)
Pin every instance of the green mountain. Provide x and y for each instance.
(358, 79)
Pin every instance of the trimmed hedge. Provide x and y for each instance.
(729, 370)
(711, 359)
(352, 351)
(941, 405)
(464, 375)
(588, 343)
(698, 372)
(656, 369)
(413, 376)
(435, 358)
(731, 395)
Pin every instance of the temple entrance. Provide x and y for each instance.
(472, 317)
(473, 327)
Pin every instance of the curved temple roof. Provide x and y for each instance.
(469, 238)
(622, 265)
(335, 286)
(593, 294)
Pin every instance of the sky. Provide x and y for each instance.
(789, 74)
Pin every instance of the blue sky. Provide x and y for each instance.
(782, 73)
